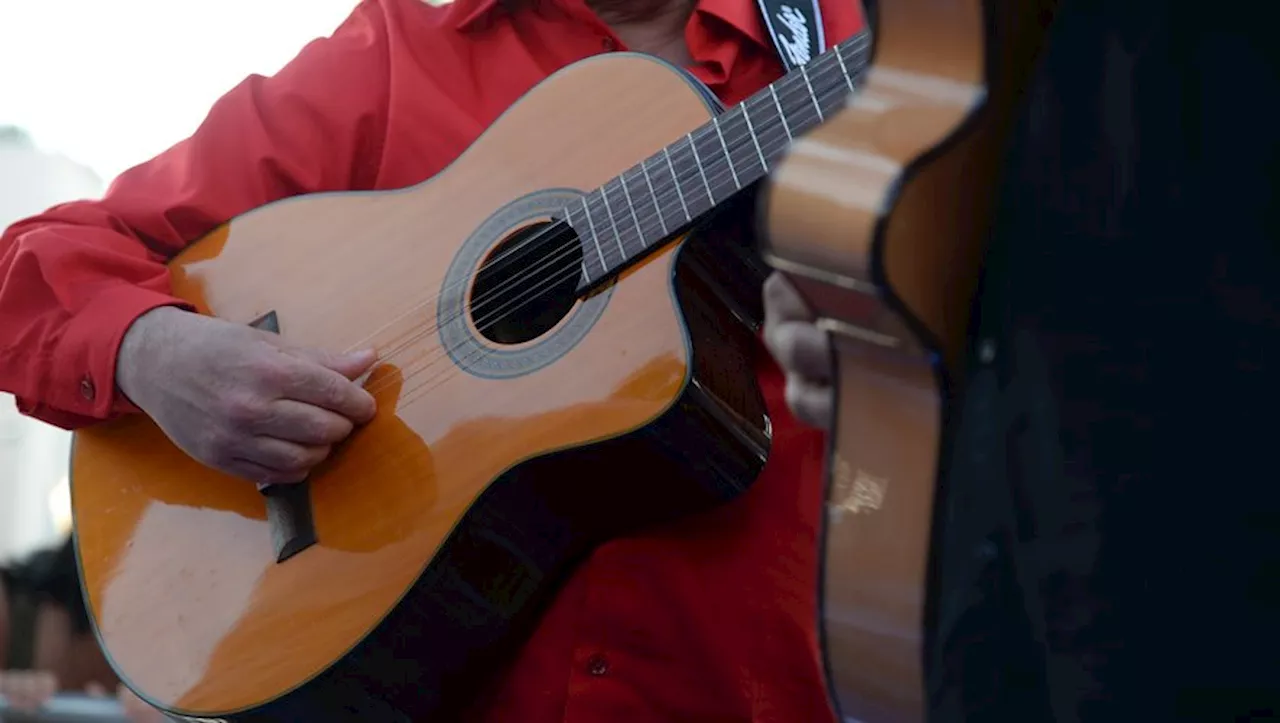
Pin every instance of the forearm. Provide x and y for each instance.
(73, 279)
(69, 286)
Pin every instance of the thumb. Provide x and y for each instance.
(350, 364)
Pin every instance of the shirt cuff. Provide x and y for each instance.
(87, 352)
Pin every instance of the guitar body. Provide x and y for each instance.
(385, 587)
(879, 217)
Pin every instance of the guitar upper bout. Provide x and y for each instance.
(879, 218)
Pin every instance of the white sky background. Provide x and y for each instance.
(111, 83)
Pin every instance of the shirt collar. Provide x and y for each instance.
(467, 14)
(741, 15)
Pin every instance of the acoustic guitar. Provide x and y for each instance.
(880, 218)
(563, 358)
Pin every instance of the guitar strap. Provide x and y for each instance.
(796, 29)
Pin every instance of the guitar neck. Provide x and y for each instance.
(633, 212)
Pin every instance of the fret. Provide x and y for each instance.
(595, 237)
(728, 157)
(702, 171)
(653, 196)
(647, 230)
(691, 177)
(798, 104)
(782, 114)
(854, 51)
(831, 88)
(613, 222)
(755, 140)
(588, 258)
(844, 70)
(675, 181)
(804, 73)
(631, 207)
(713, 164)
(744, 150)
(770, 126)
(850, 60)
(618, 232)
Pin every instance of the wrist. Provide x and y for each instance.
(137, 350)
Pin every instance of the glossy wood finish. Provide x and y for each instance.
(879, 217)
(446, 522)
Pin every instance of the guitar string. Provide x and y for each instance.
(513, 304)
(661, 199)
(429, 360)
(409, 341)
(855, 46)
(480, 308)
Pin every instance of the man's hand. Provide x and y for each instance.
(239, 399)
(802, 350)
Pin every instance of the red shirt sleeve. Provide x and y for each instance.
(74, 278)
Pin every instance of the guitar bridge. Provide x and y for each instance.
(289, 515)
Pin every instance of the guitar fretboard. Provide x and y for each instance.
(627, 216)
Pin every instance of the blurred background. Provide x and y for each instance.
(87, 89)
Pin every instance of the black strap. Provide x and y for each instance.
(796, 29)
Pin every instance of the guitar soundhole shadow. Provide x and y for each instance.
(527, 285)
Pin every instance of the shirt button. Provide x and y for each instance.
(597, 665)
(87, 390)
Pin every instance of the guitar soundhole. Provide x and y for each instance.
(527, 284)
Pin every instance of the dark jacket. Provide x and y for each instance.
(1112, 546)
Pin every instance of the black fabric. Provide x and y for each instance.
(61, 584)
(1111, 547)
(23, 609)
(52, 576)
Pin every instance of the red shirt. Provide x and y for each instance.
(711, 620)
